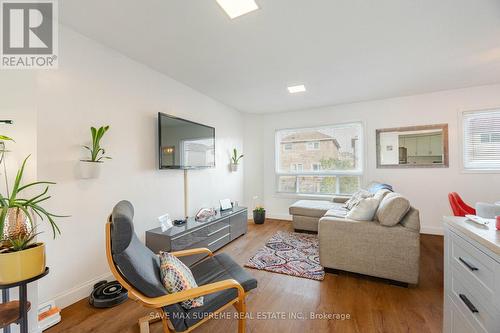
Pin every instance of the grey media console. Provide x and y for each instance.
(221, 229)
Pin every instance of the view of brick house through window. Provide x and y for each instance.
(321, 160)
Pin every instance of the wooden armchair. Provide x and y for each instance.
(137, 269)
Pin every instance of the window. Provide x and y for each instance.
(481, 140)
(320, 160)
(314, 145)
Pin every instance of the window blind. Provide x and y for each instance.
(481, 147)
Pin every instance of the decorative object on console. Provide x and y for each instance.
(418, 147)
(235, 159)
(90, 168)
(290, 253)
(204, 214)
(225, 204)
(165, 222)
(259, 215)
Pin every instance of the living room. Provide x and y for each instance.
(310, 95)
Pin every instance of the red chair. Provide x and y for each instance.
(458, 206)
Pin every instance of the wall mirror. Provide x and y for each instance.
(413, 147)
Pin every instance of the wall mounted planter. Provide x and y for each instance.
(90, 170)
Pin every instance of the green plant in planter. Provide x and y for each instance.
(97, 153)
(235, 159)
(259, 215)
(27, 205)
(23, 241)
(259, 209)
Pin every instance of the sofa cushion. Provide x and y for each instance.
(339, 211)
(356, 197)
(312, 208)
(392, 209)
(365, 210)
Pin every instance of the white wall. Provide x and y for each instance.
(427, 189)
(17, 90)
(95, 86)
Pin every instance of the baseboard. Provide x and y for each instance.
(284, 217)
(432, 230)
(79, 292)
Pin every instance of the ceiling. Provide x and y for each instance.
(342, 50)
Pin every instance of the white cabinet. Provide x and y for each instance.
(423, 145)
(436, 145)
(471, 278)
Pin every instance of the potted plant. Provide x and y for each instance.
(90, 168)
(20, 257)
(235, 159)
(259, 215)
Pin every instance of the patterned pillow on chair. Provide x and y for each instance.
(178, 277)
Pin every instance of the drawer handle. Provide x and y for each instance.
(469, 304)
(469, 265)
(216, 231)
(217, 240)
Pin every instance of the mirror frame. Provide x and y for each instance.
(443, 127)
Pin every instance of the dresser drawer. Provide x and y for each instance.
(455, 320)
(474, 266)
(480, 312)
(204, 235)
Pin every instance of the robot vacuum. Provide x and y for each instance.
(108, 294)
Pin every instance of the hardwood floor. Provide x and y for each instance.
(372, 305)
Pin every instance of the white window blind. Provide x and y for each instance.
(481, 146)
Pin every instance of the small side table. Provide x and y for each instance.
(16, 312)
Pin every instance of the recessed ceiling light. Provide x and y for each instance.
(235, 8)
(297, 89)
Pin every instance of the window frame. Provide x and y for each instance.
(335, 173)
(461, 126)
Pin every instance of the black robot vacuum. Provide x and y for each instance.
(108, 294)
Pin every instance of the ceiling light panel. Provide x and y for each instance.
(297, 89)
(235, 8)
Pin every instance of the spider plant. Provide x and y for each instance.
(97, 153)
(27, 205)
(235, 158)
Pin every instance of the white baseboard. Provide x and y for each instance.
(79, 292)
(285, 217)
(432, 230)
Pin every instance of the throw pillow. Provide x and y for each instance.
(178, 277)
(381, 194)
(356, 197)
(392, 209)
(365, 210)
(376, 186)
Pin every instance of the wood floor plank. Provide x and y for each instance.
(373, 305)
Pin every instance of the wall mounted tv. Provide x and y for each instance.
(184, 144)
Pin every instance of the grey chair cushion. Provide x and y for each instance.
(138, 264)
(217, 268)
(312, 208)
(392, 209)
(141, 268)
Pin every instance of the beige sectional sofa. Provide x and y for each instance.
(386, 247)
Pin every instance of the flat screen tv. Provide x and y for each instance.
(184, 144)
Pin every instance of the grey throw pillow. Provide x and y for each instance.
(392, 209)
(356, 197)
(365, 210)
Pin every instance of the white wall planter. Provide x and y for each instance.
(234, 167)
(90, 170)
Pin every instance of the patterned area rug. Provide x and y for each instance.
(290, 253)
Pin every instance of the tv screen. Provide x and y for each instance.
(185, 144)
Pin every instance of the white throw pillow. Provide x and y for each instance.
(365, 210)
(356, 197)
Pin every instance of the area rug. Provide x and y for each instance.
(290, 253)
